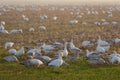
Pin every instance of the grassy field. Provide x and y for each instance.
(78, 70)
(59, 30)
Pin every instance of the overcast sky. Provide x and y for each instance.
(58, 1)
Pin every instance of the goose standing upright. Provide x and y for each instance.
(65, 51)
(57, 62)
(72, 48)
(71, 44)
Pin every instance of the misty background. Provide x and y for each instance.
(59, 2)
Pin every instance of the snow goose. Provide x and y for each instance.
(8, 44)
(96, 61)
(73, 22)
(12, 51)
(92, 54)
(71, 44)
(105, 23)
(117, 40)
(86, 43)
(27, 48)
(4, 31)
(20, 52)
(72, 47)
(32, 62)
(100, 49)
(35, 53)
(46, 48)
(31, 30)
(11, 58)
(114, 24)
(58, 45)
(73, 57)
(64, 52)
(44, 59)
(57, 62)
(115, 59)
(101, 42)
(42, 28)
(16, 31)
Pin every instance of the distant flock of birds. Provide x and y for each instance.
(62, 52)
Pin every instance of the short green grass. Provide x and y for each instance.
(77, 70)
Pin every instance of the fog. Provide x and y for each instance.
(57, 2)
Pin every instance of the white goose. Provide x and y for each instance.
(115, 57)
(92, 54)
(117, 40)
(58, 45)
(47, 48)
(11, 58)
(100, 49)
(42, 28)
(34, 53)
(101, 42)
(31, 30)
(16, 31)
(65, 51)
(4, 31)
(57, 62)
(71, 44)
(72, 47)
(32, 62)
(86, 43)
(12, 51)
(44, 59)
(20, 52)
(8, 44)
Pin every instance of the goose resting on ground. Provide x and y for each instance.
(11, 58)
(32, 62)
(8, 45)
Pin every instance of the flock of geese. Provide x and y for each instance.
(57, 54)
